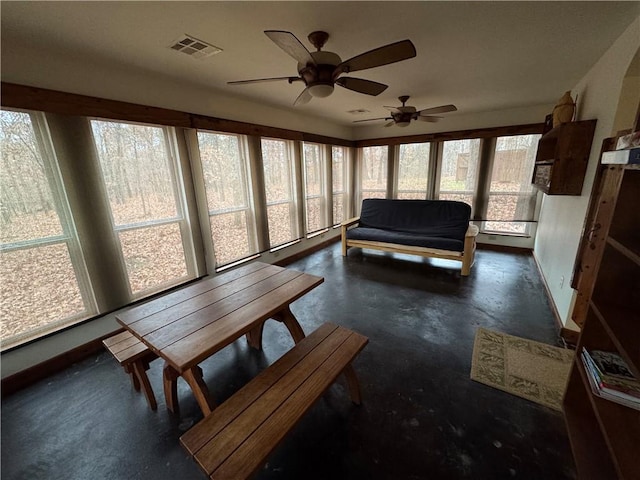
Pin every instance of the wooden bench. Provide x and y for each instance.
(234, 441)
(134, 356)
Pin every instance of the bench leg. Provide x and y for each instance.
(128, 368)
(141, 376)
(354, 386)
(193, 377)
(287, 317)
(344, 245)
(170, 385)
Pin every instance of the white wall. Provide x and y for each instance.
(562, 218)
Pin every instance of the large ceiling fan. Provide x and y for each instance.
(402, 116)
(321, 70)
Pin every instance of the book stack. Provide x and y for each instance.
(610, 378)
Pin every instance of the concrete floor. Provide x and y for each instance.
(422, 417)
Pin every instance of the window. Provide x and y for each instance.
(314, 181)
(279, 180)
(339, 174)
(373, 172)
(511, 196)
(459, 170)
(140, 175)
(231, 218)
(43, 277)
(413, 171)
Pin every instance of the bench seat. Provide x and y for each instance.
(234, 441)
(134, 356)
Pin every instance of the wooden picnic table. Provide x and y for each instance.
(189, 325)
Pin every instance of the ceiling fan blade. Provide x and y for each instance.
(258, 80)
(370, 120)
(429, 118)
(394, 52)
(288, 42)
(390, 124)
(303, 98)
(393, 109)
(367, 87)
(440, 109)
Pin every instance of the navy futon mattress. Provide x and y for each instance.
(440, 224)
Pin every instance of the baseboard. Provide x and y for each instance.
(554, 309)
(297, 256)
(570, 336)
(24, 378)
(503, 248)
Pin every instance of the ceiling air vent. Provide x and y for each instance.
(194, 47)
(358, 111)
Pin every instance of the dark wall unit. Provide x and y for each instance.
(562, 158)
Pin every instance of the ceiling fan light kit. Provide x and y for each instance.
(321, 70)
(320, 90)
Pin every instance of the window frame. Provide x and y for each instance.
(293, 202)
(180, 218)
(530, 197)
(69, 236)
(248, 195)
(361, 162)
(345, 191)
(322, 195)
(477, 181)
(430, 165)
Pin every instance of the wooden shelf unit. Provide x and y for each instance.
(562, 158)
(605, 435)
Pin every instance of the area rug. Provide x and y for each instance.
(528, 369)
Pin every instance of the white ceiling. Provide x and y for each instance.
(480, 56)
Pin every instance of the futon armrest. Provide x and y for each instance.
(351, 221)
(472, 231)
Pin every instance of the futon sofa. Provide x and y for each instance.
(429, 228)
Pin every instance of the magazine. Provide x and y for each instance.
(617, 397)
(611, 364)
(627, 385)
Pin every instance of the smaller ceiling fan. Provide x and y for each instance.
(320, 70)
(402, 116)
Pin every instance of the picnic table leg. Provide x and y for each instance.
(254, 337)
(288, 318)
(354, 386)
(193, 377)
(170, 383)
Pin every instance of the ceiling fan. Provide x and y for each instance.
(320, 70)
(402, 116)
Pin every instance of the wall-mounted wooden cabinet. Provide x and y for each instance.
(562, 158)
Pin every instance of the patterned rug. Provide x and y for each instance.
(528, 369)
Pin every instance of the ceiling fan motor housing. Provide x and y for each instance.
(403, 119)
(320, 77)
